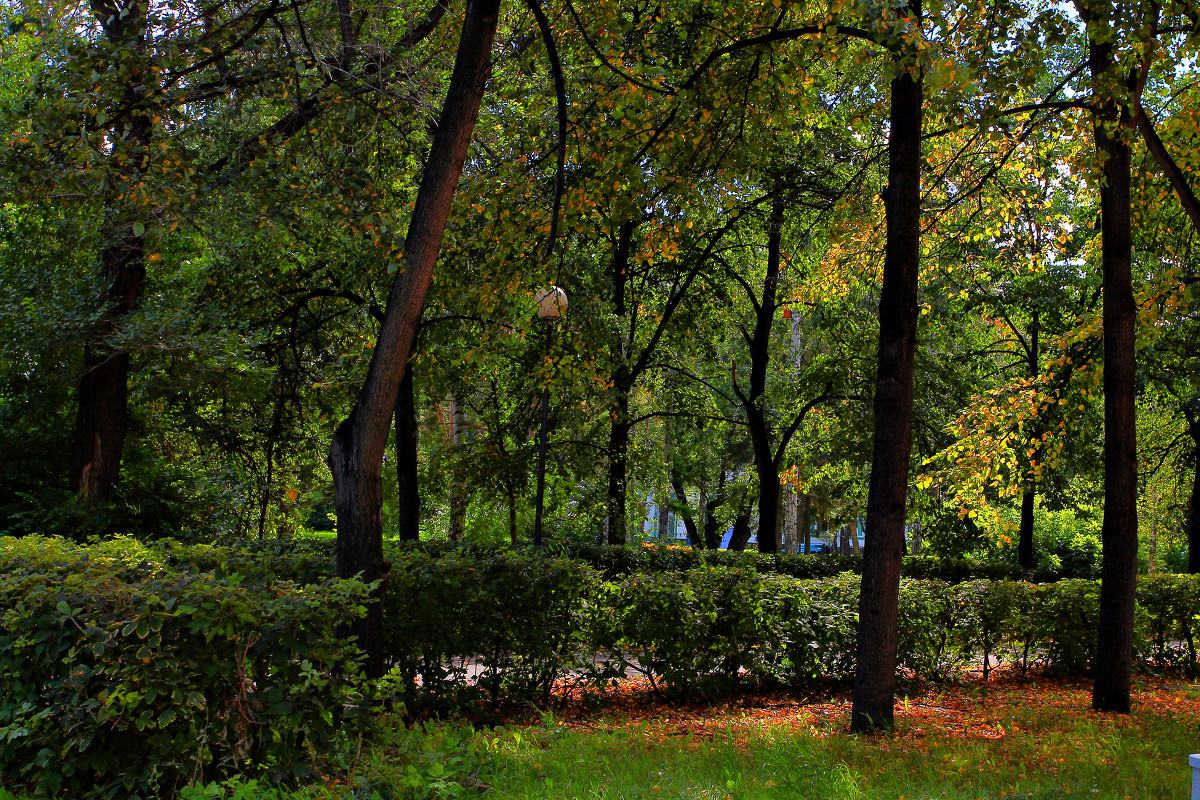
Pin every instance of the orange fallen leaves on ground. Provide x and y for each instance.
(970, 709)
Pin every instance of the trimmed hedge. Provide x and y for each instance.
(517, 627)
(121, 676)
(502, 626)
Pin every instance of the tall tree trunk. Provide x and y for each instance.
(1193, 539)
(662, 503)
(618, 454)
(753, 401)
(102, 416)
(618, 437)
(408, 489)
(1025, 536)
(791, 520)
(875, 675)
(1118, 575)
(356, 454)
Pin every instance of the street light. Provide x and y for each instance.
(551, 305)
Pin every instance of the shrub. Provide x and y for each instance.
(518, 619)
(122, 678)
(704, 625)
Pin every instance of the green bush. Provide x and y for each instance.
(515, 618)
(703, 625)
(1170, 610)
(122, 677)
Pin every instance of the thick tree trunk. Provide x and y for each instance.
(356, 455)
(618, 454)
(1025, 536)
(102, 417)
(1118, 575)
(768, 496)
(408, 490)
(100, 425)
(753, 402)
(791, 521)
(875, 675)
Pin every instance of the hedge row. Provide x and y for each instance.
(505, 627)
(122, 676)
(314, 555)
(617, 561)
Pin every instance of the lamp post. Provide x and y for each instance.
(551, 305)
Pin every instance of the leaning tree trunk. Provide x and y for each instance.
(356, 454)
(1118, 575)
(741, 530)
(875, 674)
(407, 467)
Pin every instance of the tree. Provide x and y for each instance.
(875, 673)
(356, 455)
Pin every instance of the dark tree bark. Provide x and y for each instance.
(753, 400)
(875, 675)
(623, 379)
(1192, 411)
(408, 489)
(712, 533)
(356, 455)
(618, 456)
(1025, 536)
(681, 500)
(741, 530)
(805, 525)
(102, 416)
(1028, 493)
(1179, 182)
(1118, 576)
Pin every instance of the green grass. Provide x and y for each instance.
(1037, 751)
(1089, 758)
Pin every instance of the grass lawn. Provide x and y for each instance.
(1010, 737)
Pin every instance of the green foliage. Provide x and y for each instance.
(124, 677)
(512, 621)
(681, 627)
(618, 561)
